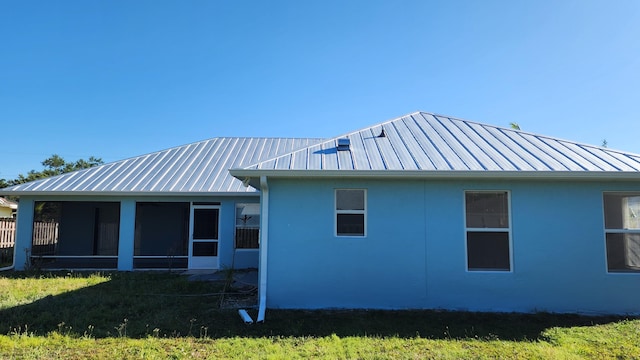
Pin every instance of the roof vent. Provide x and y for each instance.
(344, 144)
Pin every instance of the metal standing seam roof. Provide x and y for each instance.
(422, 143)
(418, 144)
(200, 167)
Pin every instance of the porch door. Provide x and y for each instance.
(204, 233)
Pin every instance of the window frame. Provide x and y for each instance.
(236, 227)
(336, 212)
(613, 230)
(508, 230)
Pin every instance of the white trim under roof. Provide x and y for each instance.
(440, 174)
(254, 193)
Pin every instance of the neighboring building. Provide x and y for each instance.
(424, 211)
(7, 208)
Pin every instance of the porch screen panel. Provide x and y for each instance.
(76, 234)
(162, 229)
(205, 224)
(46, 228)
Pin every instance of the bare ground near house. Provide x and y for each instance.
(241, 286)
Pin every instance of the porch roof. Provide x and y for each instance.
(197, 168)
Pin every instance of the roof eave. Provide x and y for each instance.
(247, 174)
(128, 194)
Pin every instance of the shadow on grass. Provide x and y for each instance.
(167, 305)
(6, 257)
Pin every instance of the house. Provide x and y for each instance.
(420, 212)
(7, 208)
(174, 209)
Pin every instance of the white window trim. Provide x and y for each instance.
(336, 212)
(606, 231)
(508, 230)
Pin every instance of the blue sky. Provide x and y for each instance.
(115, 79)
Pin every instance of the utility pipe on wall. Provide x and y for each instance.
(264, 236)
(7, 268)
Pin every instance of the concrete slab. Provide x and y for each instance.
(246, 278)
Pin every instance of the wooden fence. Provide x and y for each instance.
(7, 240)
(247, 238)
(7, 233)
(44, 233)
(45, 238)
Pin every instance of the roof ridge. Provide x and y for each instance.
(328, 140)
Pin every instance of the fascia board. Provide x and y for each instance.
(124, 193)
(243, 174)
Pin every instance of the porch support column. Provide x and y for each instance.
(24, 234)
(127, 234)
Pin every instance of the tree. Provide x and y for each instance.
(53, 165)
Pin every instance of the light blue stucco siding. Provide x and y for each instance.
(245, 259)
(126, 234)
(24, 233)
(414, 254)
(228, 256)
(309, 267)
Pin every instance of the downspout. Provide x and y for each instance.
(264, 242)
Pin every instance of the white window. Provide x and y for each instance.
(351, 217)
(622, 231)
(247, 226)
(488, 231)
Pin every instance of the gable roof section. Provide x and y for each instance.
(429, 144)
(196, 168)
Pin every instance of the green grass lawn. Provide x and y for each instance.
(162, 315)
